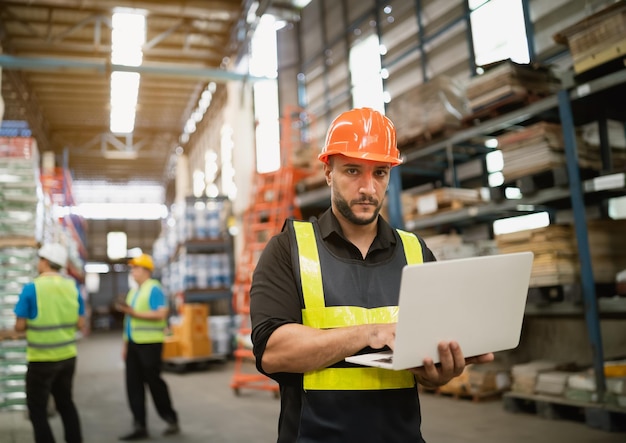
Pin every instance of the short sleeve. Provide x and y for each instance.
(81, 302)
(26, 306)
(157, 298)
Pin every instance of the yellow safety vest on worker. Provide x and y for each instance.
(318, 315)
(51, 335)
(144, 331)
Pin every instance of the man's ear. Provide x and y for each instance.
(327, 171)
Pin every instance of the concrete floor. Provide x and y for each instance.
(210, 412)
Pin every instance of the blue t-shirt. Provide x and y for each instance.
(26, 306)
(157, 300)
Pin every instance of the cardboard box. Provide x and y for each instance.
(196, 348)
(171, 348)
(194, 321)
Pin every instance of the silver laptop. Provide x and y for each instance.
(478, 302)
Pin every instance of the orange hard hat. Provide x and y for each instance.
(362, 133)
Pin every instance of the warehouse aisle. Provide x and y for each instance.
(210, 412)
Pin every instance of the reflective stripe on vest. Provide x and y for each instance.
(145, 331)
(51, 336)
(316, 314)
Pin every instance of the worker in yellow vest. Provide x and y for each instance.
(327, 288)
(145, 321)
(51, 310)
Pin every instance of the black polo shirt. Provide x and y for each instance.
(275, 299)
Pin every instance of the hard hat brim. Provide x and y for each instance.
(362, 156)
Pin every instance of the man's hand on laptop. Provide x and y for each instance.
(381, 335)
(452, 363)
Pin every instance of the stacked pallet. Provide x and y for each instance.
(539, 148)
(581, 385)
(552, 382)
(416, 203)
(554, 246)
(507, 82)
(427, 110)
(556, 257)
(596, 39)
(525, 375)
(19, 191)
(478, 382)
(190, 338)
(607, 244)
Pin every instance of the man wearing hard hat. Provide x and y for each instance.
(325, 289)
(51, 310)
(144, 331)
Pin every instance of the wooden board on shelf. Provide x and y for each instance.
(438, 200)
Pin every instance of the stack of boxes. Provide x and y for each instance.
(190, 338)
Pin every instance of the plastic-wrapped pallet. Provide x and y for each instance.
(525, 375)
(552, 382)
(19, 184)
(17, 267)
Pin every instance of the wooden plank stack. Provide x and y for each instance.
(427, 110)
(596, 39)
(539, 148)
(556, 258)
(607, 243)
(555, 253)
(506, 82)
(423, 203)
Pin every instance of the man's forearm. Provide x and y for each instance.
(297, 348)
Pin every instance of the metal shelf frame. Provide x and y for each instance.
(562, 102)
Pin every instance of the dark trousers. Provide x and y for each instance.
(56, 378)
(143, 367)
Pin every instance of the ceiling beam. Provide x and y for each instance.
(59, 64)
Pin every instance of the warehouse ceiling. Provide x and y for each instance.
(56, 65)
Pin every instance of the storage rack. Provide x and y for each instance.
(570, 103)
(219, 242)
(563, 102)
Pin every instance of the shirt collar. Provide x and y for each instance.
(329, 225)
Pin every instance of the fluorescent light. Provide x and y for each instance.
(121, 211)
(128, 36)
(120, 155)
(96, 268)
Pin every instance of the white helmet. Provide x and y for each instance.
(55, 253)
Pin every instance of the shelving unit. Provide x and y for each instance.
(221, 289)
(197, 265)
(573, 105)
(207, 238)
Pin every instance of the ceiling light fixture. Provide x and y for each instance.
(128, 35)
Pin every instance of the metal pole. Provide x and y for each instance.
(584, 255)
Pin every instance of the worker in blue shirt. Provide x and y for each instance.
(145, 321)
(51, 310)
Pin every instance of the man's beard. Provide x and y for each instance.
(344, 209)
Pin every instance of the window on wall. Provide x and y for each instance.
(116, 245)
(365, 68)
(264, 63)
(498, 31)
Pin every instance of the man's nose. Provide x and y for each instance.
(367, 184)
